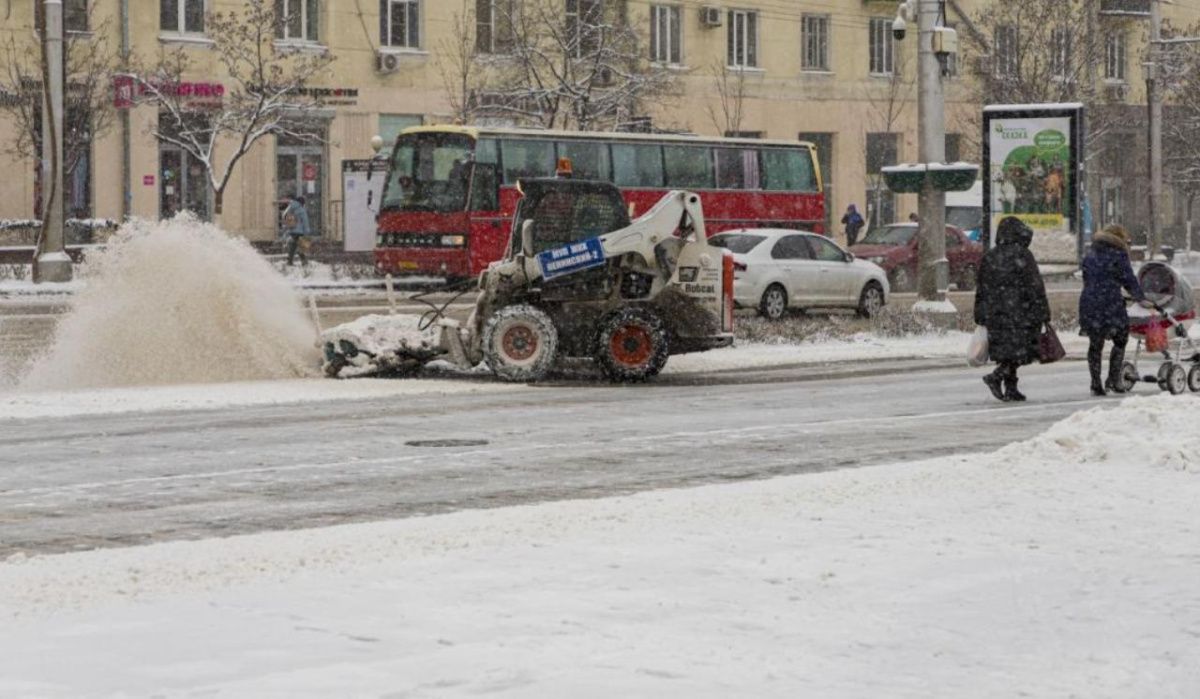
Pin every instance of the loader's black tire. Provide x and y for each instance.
(520, 343)
(632, 344)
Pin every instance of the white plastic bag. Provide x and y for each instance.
(977, 348)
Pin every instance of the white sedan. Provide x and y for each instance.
(778, 269)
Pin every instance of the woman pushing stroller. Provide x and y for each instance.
(1102, 315)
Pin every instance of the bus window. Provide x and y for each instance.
(589, 160)
(788, 170)
(527, 159)
(487, 150)
(689, 167)
(737, 168)
(429, 173)
(637, 165)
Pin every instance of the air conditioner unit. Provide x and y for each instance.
(387, 62)
(1116, 92)
(710, 16)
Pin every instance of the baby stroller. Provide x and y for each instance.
(1165, 333)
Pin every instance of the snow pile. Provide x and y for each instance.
(1155, 431)
(955, 577)
(858, 347)
(178, 301)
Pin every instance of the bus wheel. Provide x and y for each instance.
(520, 343)
(632, 344)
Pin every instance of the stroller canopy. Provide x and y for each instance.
(1165, 286)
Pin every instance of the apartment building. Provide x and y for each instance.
(828, 71)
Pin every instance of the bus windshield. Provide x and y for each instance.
(429, 173)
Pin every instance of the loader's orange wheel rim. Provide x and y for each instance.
(519, 342)
(631, 345)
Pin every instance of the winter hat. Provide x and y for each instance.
(1115, 235)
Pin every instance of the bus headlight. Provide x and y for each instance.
(380, 241)
(454, 241)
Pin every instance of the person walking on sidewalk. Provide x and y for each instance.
(296, 229)
(1102, 315)
(1010, 301)
(853, 221)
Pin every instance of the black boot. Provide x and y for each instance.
(994, 384)
(1011, 392)
(1097, 389)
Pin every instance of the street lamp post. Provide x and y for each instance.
(932, 275)
(52, 263)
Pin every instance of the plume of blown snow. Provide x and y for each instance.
(178, 301)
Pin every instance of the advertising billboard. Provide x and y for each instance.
(1032, 170)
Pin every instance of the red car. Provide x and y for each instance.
(894, 248)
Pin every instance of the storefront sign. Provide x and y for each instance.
(1031, 163)
(332, 96)
(127, 89)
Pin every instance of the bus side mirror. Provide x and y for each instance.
(527, 238)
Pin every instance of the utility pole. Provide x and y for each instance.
(1154, 98)
(52, 263)
(932, 274)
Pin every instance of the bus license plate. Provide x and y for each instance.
(408, 264)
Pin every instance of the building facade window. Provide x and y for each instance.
(494, 22)
(814, 38)
(75, 15)
(583, 20)
(181, 16)
(1005, 56)
(299, 20)
(1114, 57)
(882, 150)
(742, 39)
(400, 23)
(665, 34)
(390, 126)
(881, 46)
(1060, 54)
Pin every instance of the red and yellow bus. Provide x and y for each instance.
(451, 191)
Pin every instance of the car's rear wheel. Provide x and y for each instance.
(901, 279)
(632, 344)
(870, 301)
(773, 305)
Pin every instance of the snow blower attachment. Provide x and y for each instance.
(579, 279)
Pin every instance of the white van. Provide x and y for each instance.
(965, 210)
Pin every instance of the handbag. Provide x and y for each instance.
(977, 348)
(1050, 349)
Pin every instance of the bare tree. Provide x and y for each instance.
(727, 111)
(265, 92)
(887, 103)
(88, 114)
(586, 68)
(460, 71)
(1182, 117)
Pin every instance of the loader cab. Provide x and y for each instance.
(566, 211)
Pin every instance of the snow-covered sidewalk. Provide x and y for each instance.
(1064, 566)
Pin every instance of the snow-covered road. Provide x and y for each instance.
(120, 479)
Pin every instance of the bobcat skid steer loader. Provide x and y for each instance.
(579, 279)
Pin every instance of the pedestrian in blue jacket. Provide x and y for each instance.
(1102, 315)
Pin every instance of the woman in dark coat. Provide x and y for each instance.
(1010, 301)
(1102, 316)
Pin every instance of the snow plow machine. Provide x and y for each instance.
(579, 279)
